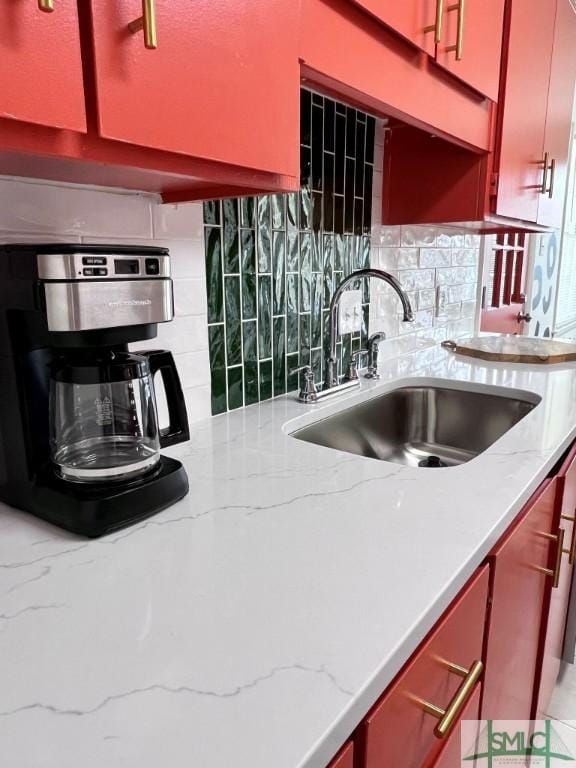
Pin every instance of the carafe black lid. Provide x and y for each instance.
(100, 367)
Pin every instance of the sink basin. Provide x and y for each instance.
(427, 426)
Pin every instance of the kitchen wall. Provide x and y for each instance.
(273, 263)
(33, 211)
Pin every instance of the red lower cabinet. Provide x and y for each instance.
(344, 758)
(523, 566)
(400, 731)
(554, 639)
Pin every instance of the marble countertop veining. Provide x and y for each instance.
(255, 622)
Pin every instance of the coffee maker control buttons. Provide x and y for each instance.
(94, 261)
(94, 272)
(152, 266)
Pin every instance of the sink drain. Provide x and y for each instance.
(432, 461)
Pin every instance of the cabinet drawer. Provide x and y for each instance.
(344, 758)
(398, 732)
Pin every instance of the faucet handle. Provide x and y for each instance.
(373, 342)
(352, 372)
(308, 392)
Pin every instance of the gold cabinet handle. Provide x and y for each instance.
(555, 572)
(544, 186)
(552, 174)
(437, 26)
(572, 551)
(47, 6)
(147, 22)
(448, 717)
(458, 48)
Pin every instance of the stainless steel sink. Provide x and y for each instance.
(427, 426)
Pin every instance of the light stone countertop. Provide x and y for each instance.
(254, 623)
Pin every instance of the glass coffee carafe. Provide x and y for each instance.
(103, 416)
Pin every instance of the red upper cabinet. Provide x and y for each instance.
(40, 64)
(521, 583)
(470, 43)
(525, 100)
(221, 84)
(559, 115)
(415, 20)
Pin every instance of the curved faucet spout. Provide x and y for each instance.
(331, 378)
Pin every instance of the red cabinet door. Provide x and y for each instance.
(398, 732)
(344, 758)
(222, 84)
(527, 60)
(40, 64)
(415, 20)
(471, 43)
(559, 115)
(554, 640)
(519, 591)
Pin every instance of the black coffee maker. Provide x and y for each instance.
(79, 434)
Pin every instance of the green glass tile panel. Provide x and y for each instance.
(265, 379)
(316, 363)
(250, 347)
(292, 210)
(279, 266)
(292, 313)
(264, 240)
(248, 212)
(365, 325)
(235, 388)
(305, 271)
(216, 342)
(278, 211)
(279, 356)
(230, 243)
(213, 249)
(249, 298)
(233, 318)
(293, 252)
(273, 262)
(265, 317)
(316, 260)
(305, 339)
(212, 212)
(293, 377)
(248, 247)
(316, 314)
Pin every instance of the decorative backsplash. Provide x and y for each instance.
(272, 262)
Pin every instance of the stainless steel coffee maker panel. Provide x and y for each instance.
(102, 266)
(88, 305)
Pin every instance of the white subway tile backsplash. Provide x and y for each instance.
(416, 279)
(435, 257)
(419, 236)
(183, 334)
(39, 208)
(190, 297)
(178, 222)
(463, 257)
(426, 298)
(398, 258)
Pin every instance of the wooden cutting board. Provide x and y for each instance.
(515, 349)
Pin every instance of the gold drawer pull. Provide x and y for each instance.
(458, 48)
(555, 572)
(448, 717)
(47, 6)
(147, 22)
(572, 551)
(437, 26)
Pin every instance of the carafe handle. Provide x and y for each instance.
(160, 360)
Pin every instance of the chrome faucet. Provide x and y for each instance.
(331, 377)
(309, 393)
